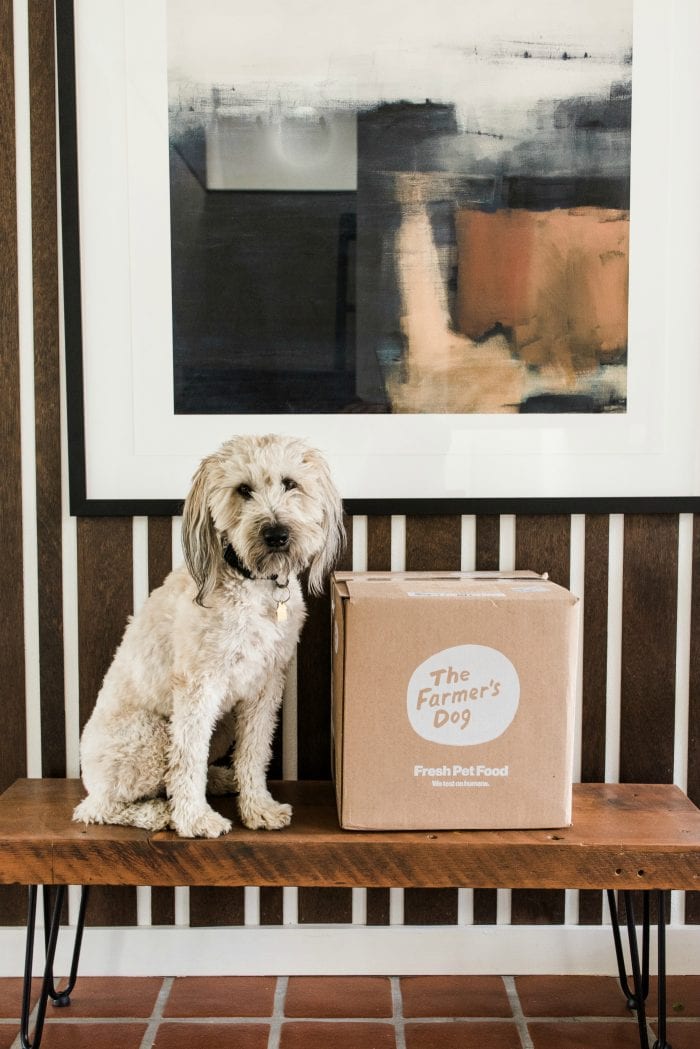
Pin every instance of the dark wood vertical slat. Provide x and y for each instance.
(433, 543)
(378, 544)
(650, 588)
(105, 600)
(160, 550)
(594, 676)
(542, 544)
(692, 900)
(595, 648)
(314, 734)
(488, 542)
(216, 906)
(12, 738)
(314, 681)
(648, 684)
(378, 560)
(46, 384)
(160, 531)
(488, 531)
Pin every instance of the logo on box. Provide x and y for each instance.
(463, 695)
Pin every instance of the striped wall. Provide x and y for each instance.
(70, 584)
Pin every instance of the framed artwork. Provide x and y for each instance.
(455, 247)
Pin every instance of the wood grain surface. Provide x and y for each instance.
(623, 835)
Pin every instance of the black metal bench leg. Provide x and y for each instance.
(48, 990)
(636, 998)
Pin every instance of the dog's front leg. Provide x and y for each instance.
(255, 725)
(194, 714)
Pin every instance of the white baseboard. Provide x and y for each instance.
(346, 950)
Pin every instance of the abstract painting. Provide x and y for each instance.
(393, 208)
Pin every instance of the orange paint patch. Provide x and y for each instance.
(558, 280)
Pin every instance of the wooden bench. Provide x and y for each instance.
(623, 837)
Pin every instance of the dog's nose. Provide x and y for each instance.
(276, 536)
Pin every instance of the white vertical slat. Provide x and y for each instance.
(468, 543)
(290, 905)
(251, 905)
(577, 566)
(682, 687)
(398, 543)
(613, 682)
(359, 564)
(359, 544)
(683, 624)
(467, 563)
(139, 542)
(506, 543)
(30, 566)
(182, 892)
(176, 542)
(614, 660)
(506, 563)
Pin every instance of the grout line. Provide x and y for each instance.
(277, 1018)
(517, 1010)
(157, 1014)
(397, 1012)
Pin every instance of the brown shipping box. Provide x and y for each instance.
(453, 700)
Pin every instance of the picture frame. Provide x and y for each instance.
(129, 453)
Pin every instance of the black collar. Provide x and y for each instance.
(231, 558)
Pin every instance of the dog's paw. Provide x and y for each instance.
(264, 813)
(204, 824)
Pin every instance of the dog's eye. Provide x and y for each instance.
(245, 491)
(288, 484)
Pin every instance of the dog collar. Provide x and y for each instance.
(281, 592)
(233, 560)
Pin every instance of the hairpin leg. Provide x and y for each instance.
(637, 997)
(52, 923)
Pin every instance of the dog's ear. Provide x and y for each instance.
(333, 522)
(200, 543)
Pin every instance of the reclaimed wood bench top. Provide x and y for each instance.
(625, 836)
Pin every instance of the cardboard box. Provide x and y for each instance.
(453, 700)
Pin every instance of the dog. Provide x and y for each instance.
(205, 658)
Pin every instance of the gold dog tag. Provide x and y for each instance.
(281, 612)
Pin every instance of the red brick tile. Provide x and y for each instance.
(205, 1035)
(682, 1036)
(462, 1036)
(98, 996)
(338, 996)
(571, 996)
(87, 1036)
(8, 1033)
(221, 996)
(585, 1035)
(682, 996)
(350, 1035)
(11, 995)
(454, 996)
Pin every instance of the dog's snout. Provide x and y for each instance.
(276, 536)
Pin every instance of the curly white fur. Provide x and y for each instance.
(204, 661)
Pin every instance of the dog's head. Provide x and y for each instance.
(272, 499)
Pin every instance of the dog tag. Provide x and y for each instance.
(281, 613)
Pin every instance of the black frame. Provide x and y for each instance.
(81, 505)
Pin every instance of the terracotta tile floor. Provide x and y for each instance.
(363, 1012)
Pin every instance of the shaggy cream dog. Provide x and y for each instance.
(205, 659)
